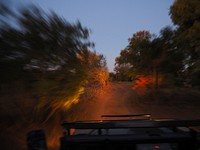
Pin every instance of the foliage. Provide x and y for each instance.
(49, 54)
(96, 72)
(46, 64)
(174, 54)
(133, 58)
(185, 14)
(148, 55)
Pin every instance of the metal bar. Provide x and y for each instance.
(130, 115)
(131, 124)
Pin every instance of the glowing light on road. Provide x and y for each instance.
(74, 99)
(142, 83)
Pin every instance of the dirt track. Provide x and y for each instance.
(119, 98)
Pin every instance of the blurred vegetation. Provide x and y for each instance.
(46, 66)
(185, 15)
(173, 57)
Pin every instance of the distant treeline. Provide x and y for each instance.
(170, 58)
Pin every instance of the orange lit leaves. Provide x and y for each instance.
(142, 83)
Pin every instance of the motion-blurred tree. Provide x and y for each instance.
(96, 72)
(170, 58)
(43, 52)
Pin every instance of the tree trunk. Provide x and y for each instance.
(156, 77)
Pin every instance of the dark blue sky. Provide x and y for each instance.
(112, 22)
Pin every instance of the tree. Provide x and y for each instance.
(137, 55)
(123, 72)
(42, 41)
(46, 65)
(53, 53)
(169, 58)
(148, 55)
(96, 71)
(185, 14)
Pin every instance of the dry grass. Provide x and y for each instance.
(178, 103)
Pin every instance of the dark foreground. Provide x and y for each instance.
(118, 98)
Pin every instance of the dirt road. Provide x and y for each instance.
(112, 101)
(119, 98)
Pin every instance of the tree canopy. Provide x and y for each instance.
(49, 58)
(174, 53)
(147, 54)
(185, 15)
